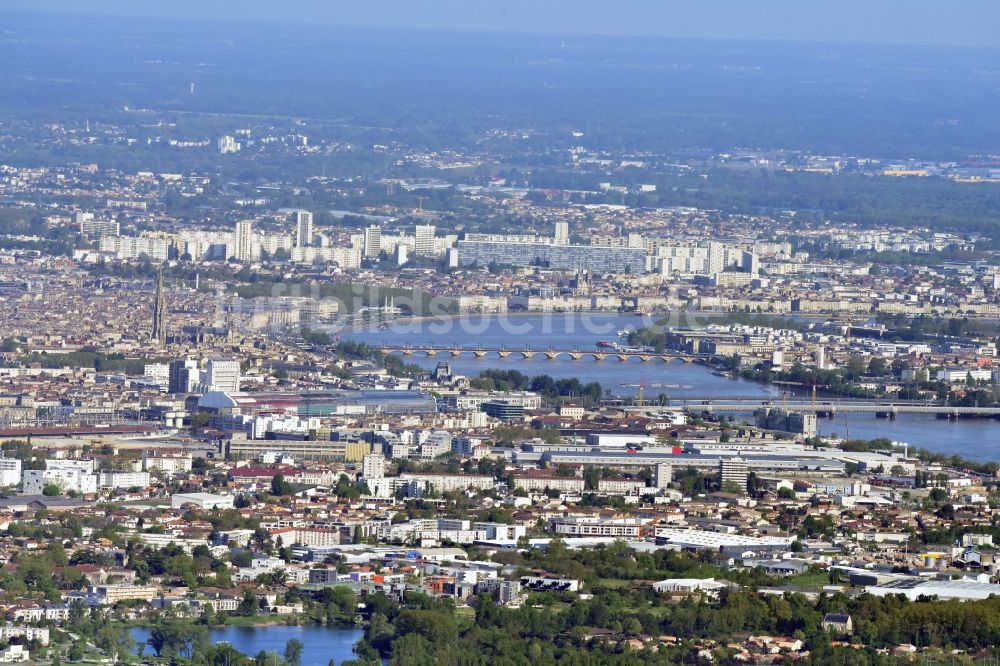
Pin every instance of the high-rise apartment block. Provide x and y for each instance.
(733, 472)
(562, 233)
(373, 241)
(183, 376)
(303, 228)
(243, 242)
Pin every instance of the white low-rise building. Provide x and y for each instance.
(588, 526)
(168, 463)
(444, 483)
(963, 590)
(621, 486)
(308, 536)
(687, 586)
(14, 654)
(117, 479)
(500, 531)
(541, 481)
(66, 480)
(693, 539)
(201, 500)
(10, 472)
(40, 634)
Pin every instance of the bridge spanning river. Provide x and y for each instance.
(881, 408)
(686, 384)
(550, 354)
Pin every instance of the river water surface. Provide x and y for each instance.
(977, 439)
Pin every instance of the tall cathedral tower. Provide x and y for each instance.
(159, 332)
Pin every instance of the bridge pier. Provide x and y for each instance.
(479, 354)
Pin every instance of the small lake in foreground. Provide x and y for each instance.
(321, 643)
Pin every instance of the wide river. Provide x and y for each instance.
(976, 439)
(322, 644)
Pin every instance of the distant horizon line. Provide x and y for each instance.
(293, 23)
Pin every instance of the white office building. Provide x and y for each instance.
(156, 373)
(222, 375)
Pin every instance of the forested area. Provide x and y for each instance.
(555, 628)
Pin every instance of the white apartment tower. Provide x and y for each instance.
(373, 241)
(303, 228)
(716, 257)
(228, 144)
(735, 471)
(423, 243)
(562, 233)
(663, 476)
(243, 242)
(373, 466)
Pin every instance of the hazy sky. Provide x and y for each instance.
(932, 22)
